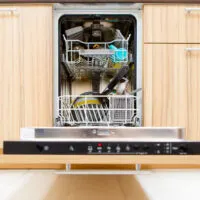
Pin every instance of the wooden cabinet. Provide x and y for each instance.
(26, 68)
(171, 83)
(172, 87)
(173, 23)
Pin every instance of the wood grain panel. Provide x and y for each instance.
(10, 75)
(132, 167)
(165, 85)
(99, 166)
(172, 87)
(36, 65)
(26, 69)
(33, 166)
(62, 159)
(171, 24)
(193, 94)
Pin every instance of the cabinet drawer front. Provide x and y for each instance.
(172, 23)
(172, 87)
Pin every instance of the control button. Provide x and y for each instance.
(46, 148)
(158, 151)
(128, 148)
(99, 145)
(109, 148)
(99, 148)
(175, 148)
(118, 148)
(90, 148)
(71, 148)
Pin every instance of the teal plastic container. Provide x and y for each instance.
(120, 54)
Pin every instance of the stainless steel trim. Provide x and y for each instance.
(55, 68)
(192, 49)
(84, 7)
(8, 9)
(111, 134)
(191, 9)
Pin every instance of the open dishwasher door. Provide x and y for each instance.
(102, 141)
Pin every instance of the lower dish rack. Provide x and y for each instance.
(99, 110)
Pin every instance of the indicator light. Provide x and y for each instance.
(99, 145)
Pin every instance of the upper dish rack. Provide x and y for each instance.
(83, 57)
(97, 110)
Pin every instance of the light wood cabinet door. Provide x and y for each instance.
(25, 69)
(173, 23)
(9, 74)
(172, 87)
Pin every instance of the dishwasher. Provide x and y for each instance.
(98, 89)
(98, 65)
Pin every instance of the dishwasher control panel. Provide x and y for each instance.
(102, 148)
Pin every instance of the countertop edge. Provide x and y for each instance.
(90, 159)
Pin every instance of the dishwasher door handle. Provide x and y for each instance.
(9, 10)
(189, 10)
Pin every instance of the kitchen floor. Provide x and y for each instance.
(46, 185)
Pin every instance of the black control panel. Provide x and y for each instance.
(102, 148)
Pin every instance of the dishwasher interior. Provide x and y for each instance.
(97, 76)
